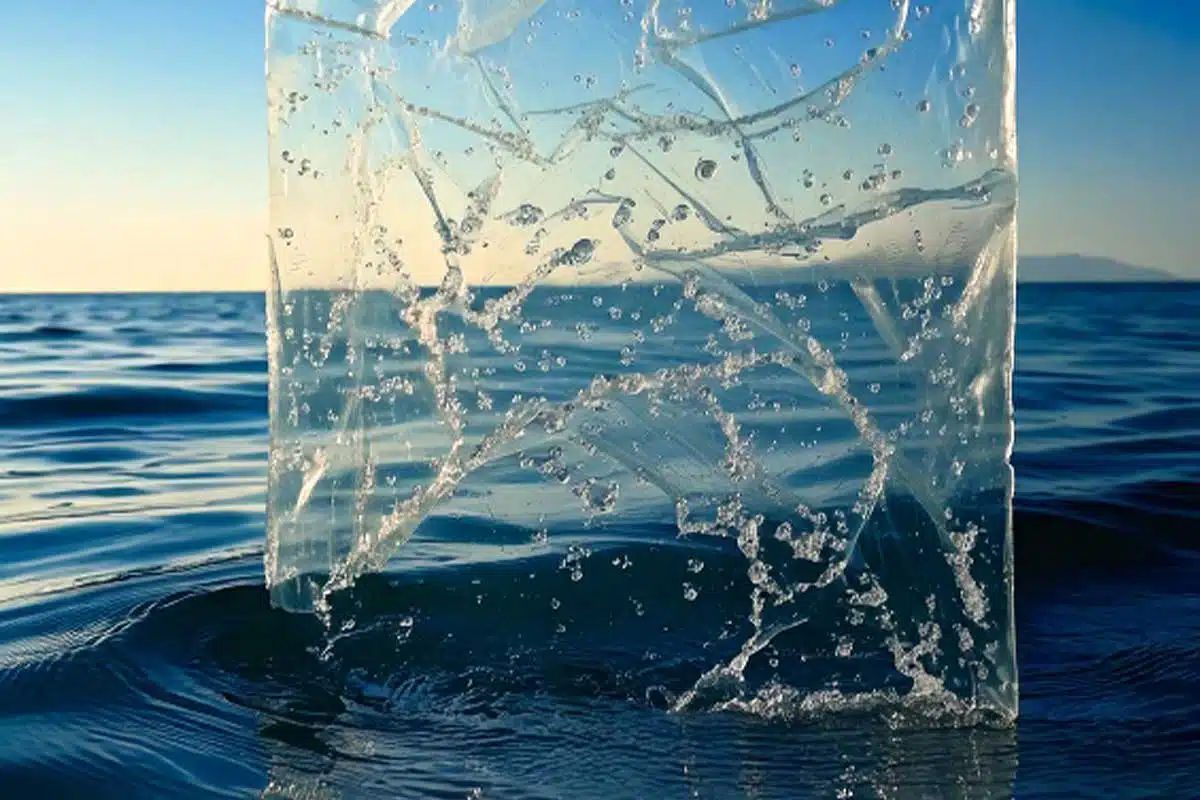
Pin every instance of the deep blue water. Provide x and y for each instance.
(139, 655)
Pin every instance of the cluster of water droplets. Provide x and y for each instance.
(421, 342)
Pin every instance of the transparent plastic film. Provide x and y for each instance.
(717, 295)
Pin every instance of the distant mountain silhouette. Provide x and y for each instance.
(1085, 269)
(1072, 268)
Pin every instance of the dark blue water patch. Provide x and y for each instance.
(43, 333)
(94, 454)
(57, 332)
(1064, 547)
(1047, 395)
(95, 491)
(161, 404)
(257, 366)
(1180, 416)
(1105, 459)
(67, 434)
(120, 542)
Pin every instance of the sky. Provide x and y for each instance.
(133, 140)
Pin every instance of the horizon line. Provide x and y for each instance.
(1173, 280)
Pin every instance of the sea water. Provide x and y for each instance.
(720, 297)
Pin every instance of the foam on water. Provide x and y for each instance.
(747, 268)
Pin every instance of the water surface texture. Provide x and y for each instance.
(140, 655)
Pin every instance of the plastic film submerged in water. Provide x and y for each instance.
(727, 281)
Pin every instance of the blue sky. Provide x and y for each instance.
(133, 128)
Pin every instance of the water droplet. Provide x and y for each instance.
(624, 213)
(826, 199)
(923, 106)
(525, 215)
(705, 168)
(885, 149)
(580, 253)
(610, 174)
(795, 70)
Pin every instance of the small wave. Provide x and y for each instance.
(57, 332)
(1158, 665)
(116, 402)
(43, 333)
(258, 366)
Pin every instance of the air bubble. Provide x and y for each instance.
(705, 168)
(623, 214)
(525, 215)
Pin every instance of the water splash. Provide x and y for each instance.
(540, 262)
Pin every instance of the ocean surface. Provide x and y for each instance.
(140, 655)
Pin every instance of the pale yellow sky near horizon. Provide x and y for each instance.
(129, 250)
(134, 143)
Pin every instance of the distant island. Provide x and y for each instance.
(1086, 269)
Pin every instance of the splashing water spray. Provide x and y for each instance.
(732, 278)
